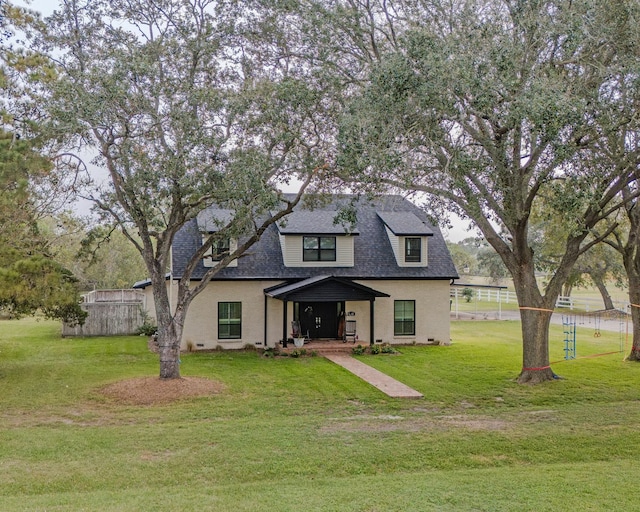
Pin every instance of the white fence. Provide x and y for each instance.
(501, 296)
(469, 294)
(125, 295)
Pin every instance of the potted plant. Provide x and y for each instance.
(298, 341)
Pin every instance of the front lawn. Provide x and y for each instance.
(303, 434)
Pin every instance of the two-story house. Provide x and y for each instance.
(390, 272)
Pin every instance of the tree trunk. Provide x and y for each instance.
(169, 330)
(634, 299)
(535, 315)
(169, 344)
(606, 298)
(535, 346)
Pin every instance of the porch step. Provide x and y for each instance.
(376, 378)
(323, 347)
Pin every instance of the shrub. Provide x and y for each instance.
(147, 329)
(386, 348)
(271, 351)
(375, 349)
(358, 350)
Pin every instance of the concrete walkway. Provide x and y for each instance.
(376, 378)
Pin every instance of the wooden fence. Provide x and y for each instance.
(110, 313)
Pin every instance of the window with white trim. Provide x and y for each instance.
(220, 249)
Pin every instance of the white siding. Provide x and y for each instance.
(397, 244)
(292, 252)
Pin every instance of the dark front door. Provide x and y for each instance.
(319, 319)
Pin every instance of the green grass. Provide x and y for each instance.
(303, 434)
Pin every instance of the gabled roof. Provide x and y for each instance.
(405, 224)
(212, 219)
(314, 222)
(373, 254)
(323, 289)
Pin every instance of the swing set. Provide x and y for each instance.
(570, 332)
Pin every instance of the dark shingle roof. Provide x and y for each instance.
(313, 222)
(373, 255)
(405, 223)
(212, 219)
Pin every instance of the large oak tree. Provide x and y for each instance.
(491, 106)
(185, 106)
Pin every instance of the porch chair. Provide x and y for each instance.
(350, 331)
(296, 331)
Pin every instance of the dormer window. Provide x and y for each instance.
(211, 223)
(412, 249)
(312, 238)
(408, 236)
(220, 249)
(319, 248)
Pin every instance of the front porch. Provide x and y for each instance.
(324, 308)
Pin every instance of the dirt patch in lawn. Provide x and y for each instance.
(155, 391)
(413, 424)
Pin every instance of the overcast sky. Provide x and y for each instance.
(43, 6)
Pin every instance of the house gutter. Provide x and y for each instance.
(264, 343)
(371, 322)
(284, 323)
